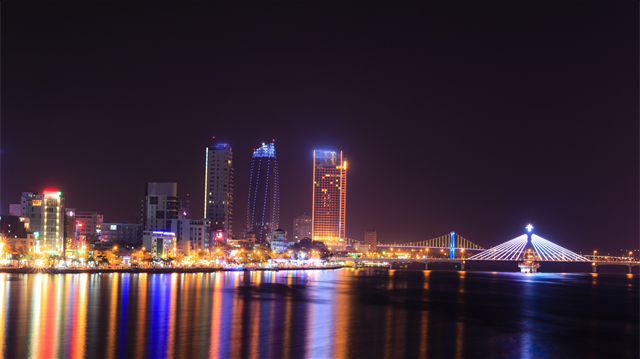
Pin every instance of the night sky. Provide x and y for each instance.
(470, 117)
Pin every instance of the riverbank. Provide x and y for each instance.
(148, 270)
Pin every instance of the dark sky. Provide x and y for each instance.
(473, 117)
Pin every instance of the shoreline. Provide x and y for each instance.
(148, 270)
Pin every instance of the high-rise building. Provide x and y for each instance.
(371, 239)
(329, 198)
(53, 220)
(159, 206)
(218, 188)
(263, 205)
(46, 216)
(302, 228)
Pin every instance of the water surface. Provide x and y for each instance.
(369, 313)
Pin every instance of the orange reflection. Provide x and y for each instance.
(341, 321)
(171, 342)
(113, 311)
(3, 278)
(255, 323)
(34, 337)
(424, 338)
(236, 321)
(142, 310)
(79, 318)
(216, 309)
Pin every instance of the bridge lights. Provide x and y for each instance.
(529, 227)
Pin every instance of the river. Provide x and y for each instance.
(346, 313)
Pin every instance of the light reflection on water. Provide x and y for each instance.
(319, 314)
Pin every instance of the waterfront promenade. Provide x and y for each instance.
(30, 270)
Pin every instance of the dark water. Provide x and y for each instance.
(320, 314)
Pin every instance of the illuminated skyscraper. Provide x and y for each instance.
(46, 219)
(218, 188)
(263, 209)
(53, 222)
(329, 198)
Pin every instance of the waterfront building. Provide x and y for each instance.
(70, 231)
(46, 213)
(218, 188)
(263, 205)
(183, 247)
(91, 224)
(279, 243)
(121, 232)
(302, 227)
(371, 239)
(329, 198)
(360, 247)
(159, 205)
(196, 232)
(161, 244)
(31, 207)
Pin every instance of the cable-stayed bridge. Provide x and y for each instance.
(528, 249)
(537, 248)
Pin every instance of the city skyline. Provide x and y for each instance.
(480, 140)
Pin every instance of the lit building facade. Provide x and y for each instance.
(218, 188)
(279, 243)
(91, 224)
(196, 232)
(46, 216)
(329, 198)
(52, 237)
(121, 232)
(161, 244)
(159, 205)
(302, 228)
(263, 205)
(32, 208)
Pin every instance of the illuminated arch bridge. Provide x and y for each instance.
(538, 248)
